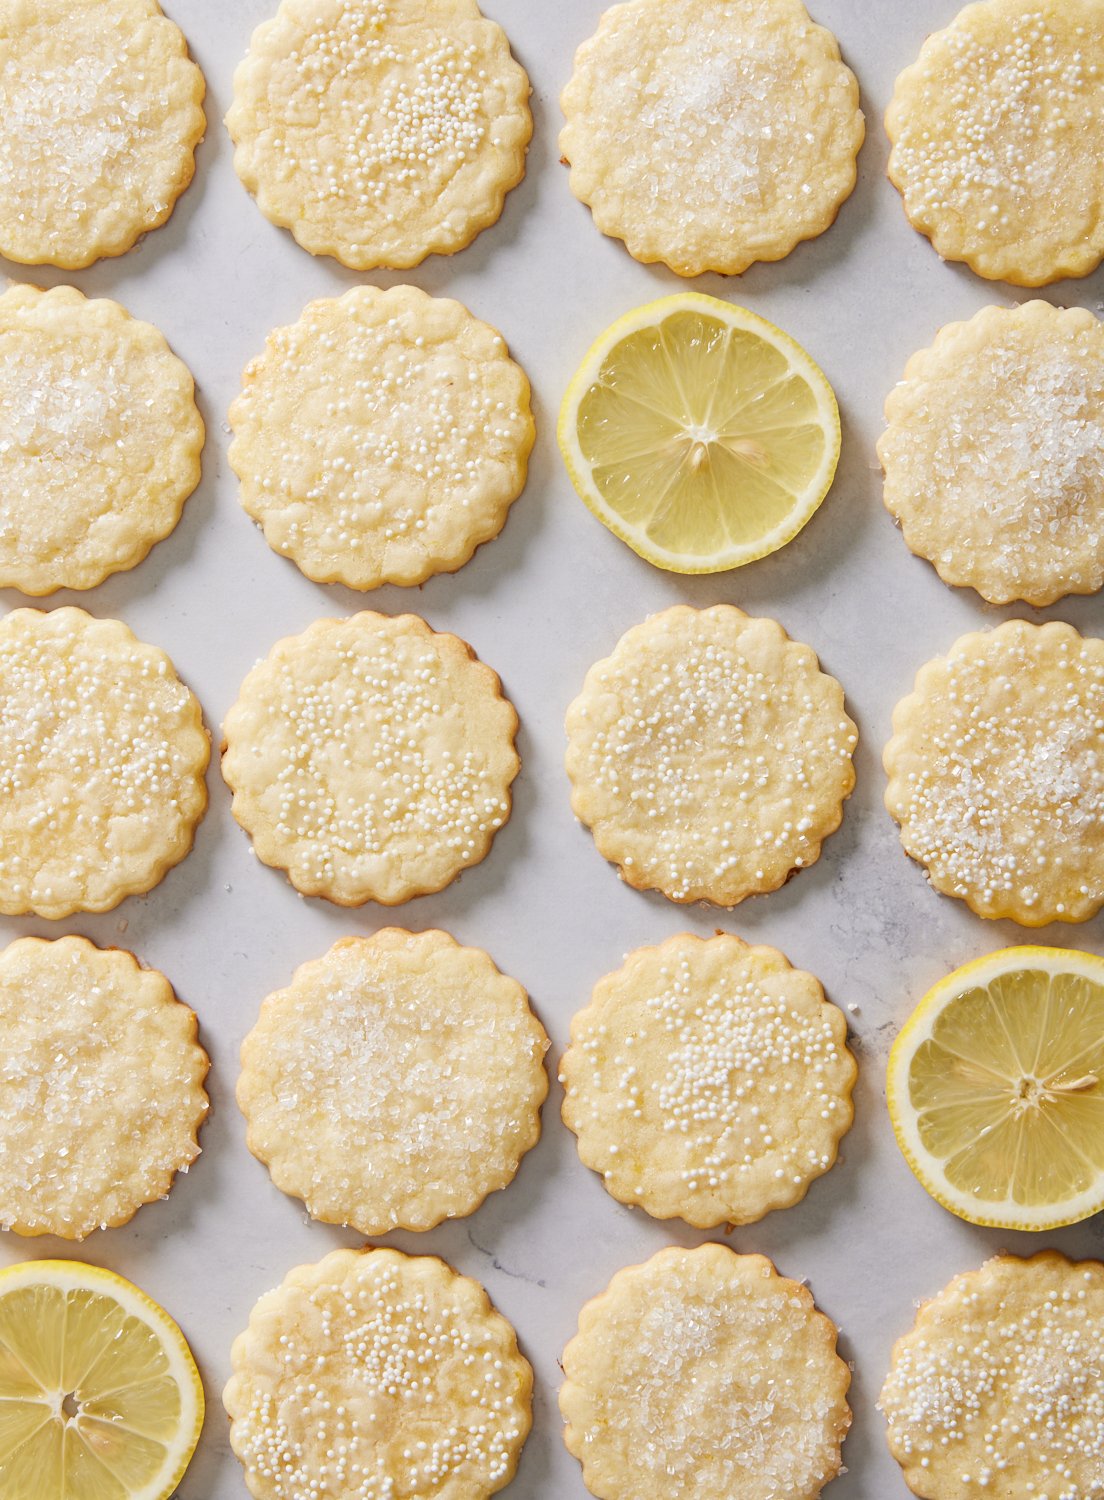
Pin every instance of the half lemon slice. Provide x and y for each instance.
(996, 1089)
(699, 433)
(100, 1398)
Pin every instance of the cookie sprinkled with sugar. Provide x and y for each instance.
(708, 1080)
(371, 758)
(374, 1374)
(998, 139)
(997, 1388)
(381, 438)
(380, 131)
(709, 755)
(996, 772)
(703, 1372)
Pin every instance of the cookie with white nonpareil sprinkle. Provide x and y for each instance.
(101, 110)
(395, 1082)
(708, 1080)
(705, 1373)
(996, 772)
(101, 1091)
(371, 758)
(102, 759)
(997, 132)
(994, 453)
(996, 1391)
(380, 131)
(712, 133)
(99, 439)
(709, 755)
(381, 438)
(377, 1373)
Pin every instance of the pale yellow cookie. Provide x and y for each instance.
(99, 439)
(704, 1374)
(994, 453)
(100, 114)
(371, 758)
(102, 761)
(376, 1373)
(996, 772)
(381, 438)
(380, 131)
(996, 1391)
(709, 755)
(998, 139)
(711, 133)
(101, 1087)
(396, 1081)
(708, 1080)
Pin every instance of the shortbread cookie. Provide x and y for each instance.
(709, 755)
(708, 1080)
(381, 438)
(994, 453)
(705, 1373)
(996, 772)
(371, 758)
(996, 1391)
(712, 133)
(377, 1373)
(380, 131)
(998, 139)
(99, 439)
(395, 1083)
(101, 1087)
(101, 110)
(102, 760)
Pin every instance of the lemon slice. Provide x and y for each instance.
(996, 1089)
(699, 433)
(100, 1398)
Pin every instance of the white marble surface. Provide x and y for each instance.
(540, 604)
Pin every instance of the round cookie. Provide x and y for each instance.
(996, 772)
(703, 1372)
(709, 755)
(380, 131)
(712, 133)
(381, 1371)
(395, 1083)
(101, 1090)
(381, 438)
(997, 1388)
(102, 761)
(994, 453)
(997, 132)
(100, 439)
(102, 112)
(371, 758)
(708, 1080)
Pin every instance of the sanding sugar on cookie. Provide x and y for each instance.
(997, 132)
(376, 1373)
(711, 133)
(380, 131)
(382, 437)
(101, 1089)
(395, 1082)
(102, 759)
(101, 110)
(371, 758)
(705, 1373)
(709, 755)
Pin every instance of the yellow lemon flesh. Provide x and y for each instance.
(699, 433)
(100, 1398)
(996, 1089)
